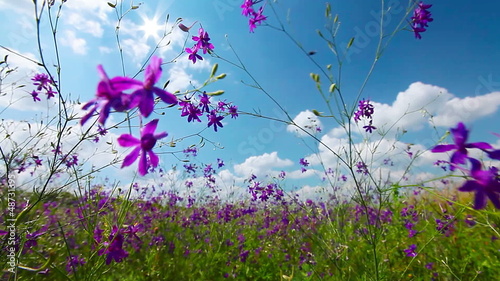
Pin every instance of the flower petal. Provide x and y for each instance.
(443, 148)
(153, 158)
(479, 145)
(143, 164)
(495, 198)
(469, 186)
(129, 159)
(150, 127)
(165, 96)
(127, 140)
(480, 200)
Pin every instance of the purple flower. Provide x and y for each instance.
(144, 91)
(369, 128)
(214, 120)
(303, 162)
(73, 262)
(204, 102)
(142, 147)
(365, 109)
(485, 184)
(460, 135)
(203, 41)
(420, 19)
(109, 95)
(114, 250)
(193, 54)
(410, 252)
(247, 8)
(233, 110)
(34, 94)
(256, 18)
(192, 112)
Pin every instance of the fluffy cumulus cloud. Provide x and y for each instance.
(77, 45)
(306, 120)
(83, 24)
(413, 108)
(261, 165)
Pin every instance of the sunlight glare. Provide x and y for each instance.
(151, 28)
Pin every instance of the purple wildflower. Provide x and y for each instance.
(257, 18)
(144, 91)
(73, 262)
(233, 110)
(142, 147)
(369, 128)
(203, 41)
(204, 102)
(420, 19)
(460, 135)
(193, 54)
(485, 184)
(214, 120)
(114, 250)
(410, 252)
(34, 94)
(247, 8)
(365, 109)
(109, 95)
(192, 112)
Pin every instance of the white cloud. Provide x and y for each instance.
(136, 49)
(414, 107)
(261, 165)
(306, 120)
(83, 24)
(78, 45)
(467, 109)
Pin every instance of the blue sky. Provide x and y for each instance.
(452, 72)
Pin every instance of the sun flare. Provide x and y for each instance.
(151, 28)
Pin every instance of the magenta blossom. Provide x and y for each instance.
(143, 147)
(214, 120)
(193, 54)
(203, 41)
(420, 19)
(109, 96)
(145, 91)
(485, 184)
(460, 135)
(114, 249)
(257, 18)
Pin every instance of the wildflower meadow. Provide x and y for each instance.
(249, 140)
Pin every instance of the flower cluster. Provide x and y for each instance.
(365, 110)
(44, 84)
(110, 93)
(193, 109)
(202, 43)
(258, 191)
(255, 17)
(420, 19)
(485, 183)
(303, 162)
(114, 248)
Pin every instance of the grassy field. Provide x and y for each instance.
(98, 236)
